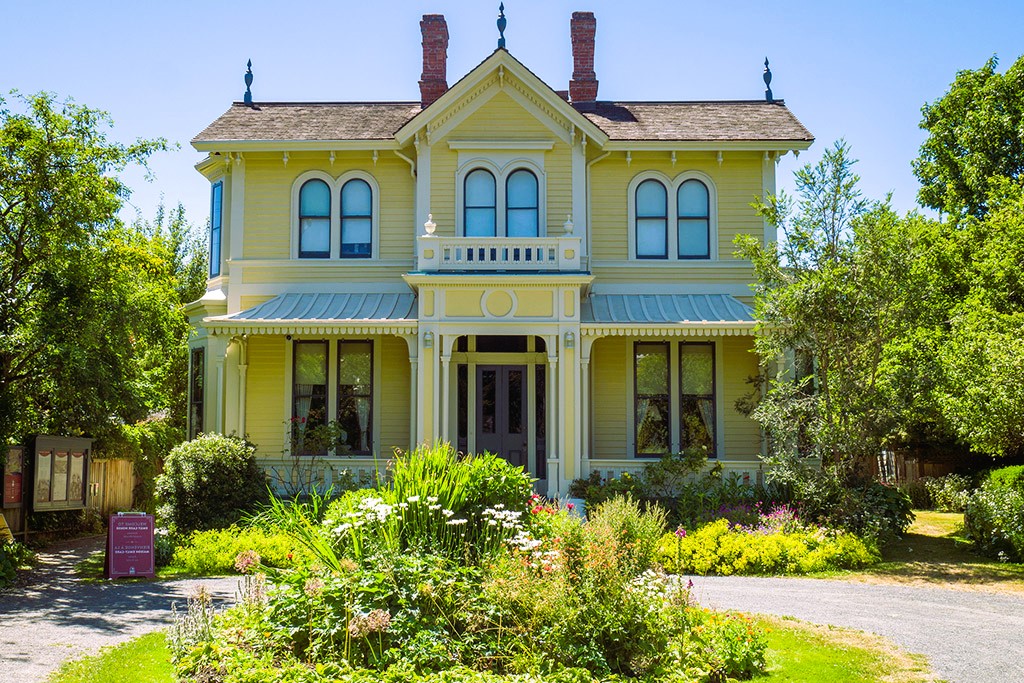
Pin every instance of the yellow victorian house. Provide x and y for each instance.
(536, 273)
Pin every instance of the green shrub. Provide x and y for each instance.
(717, 548)
(213, 552)
(210, 483)
(1011, 477)
(994, 520)
(917, 491)
(949, 493)
(13, 556)
(635, 532)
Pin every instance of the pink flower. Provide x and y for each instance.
(570, 506)
(689, 585)
(680, 532)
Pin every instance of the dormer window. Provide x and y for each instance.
(356, 219)
(521, 207)
(480, 204)
(315, 220)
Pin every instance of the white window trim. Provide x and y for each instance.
(332, 386)
(335, 185)
(672, 188)
(501, 168)
(675, 396)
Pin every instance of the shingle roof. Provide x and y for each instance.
(664, 308)
(683, 121)
(695, 121)
(283, 121)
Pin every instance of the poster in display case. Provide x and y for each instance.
(60, 473)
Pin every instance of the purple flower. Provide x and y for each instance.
(680, 532)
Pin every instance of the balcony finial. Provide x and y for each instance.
(430, 226)
(568, 226)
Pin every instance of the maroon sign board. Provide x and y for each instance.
(13, 478)
(130, 546)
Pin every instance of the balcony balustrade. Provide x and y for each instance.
(436, 253)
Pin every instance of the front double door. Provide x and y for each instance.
(501, 412)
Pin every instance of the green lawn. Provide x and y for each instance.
(90, 570)
(797, 651)
(143, 660)
(934, 552)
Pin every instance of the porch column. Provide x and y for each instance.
(243, 369)
(426, 398)
(412, 341)
(218, 346)
(553, 439)
(584, 415)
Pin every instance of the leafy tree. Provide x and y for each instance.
(983, 353)
(841, 289)
(83, 300)
(975, 133)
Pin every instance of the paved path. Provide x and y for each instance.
(968, 637)
(57, 617)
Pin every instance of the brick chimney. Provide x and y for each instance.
(583, 86)
(434, 79)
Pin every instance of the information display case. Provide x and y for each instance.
(60, 473)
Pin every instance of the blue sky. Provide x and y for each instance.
(856, 70)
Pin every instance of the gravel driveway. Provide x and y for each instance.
(968, 637)
(57, 617)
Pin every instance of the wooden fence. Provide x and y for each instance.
(111, 483)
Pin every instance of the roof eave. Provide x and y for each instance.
(292, 145)
(710, 145)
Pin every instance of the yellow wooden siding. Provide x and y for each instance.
(443, 165)
(394, 395)
(247, 302)
(268, 199)
(558, 172)
(297, 271)
(739, 362)
(737, 182)
(608, 382)
(678, 272)
(264, 402)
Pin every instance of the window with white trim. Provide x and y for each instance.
(500, 202)
(674, 398)
(314, 220)
(216, 226)
(335, 217)
(684, 228)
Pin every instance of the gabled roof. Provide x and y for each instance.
(499, 61)
(696, 121)
(368, 122)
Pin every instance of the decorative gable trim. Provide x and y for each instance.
(500, 69)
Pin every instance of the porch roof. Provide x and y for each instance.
(322, 313)
(673, 314)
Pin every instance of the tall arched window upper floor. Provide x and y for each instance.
(673, 218)
(500, 201)
(335, 218)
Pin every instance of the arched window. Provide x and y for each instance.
(314, 220)
(480, 207)
(356, 219)
(693, 219)
(651, 220)
(521, 219)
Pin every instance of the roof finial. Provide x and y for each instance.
(248, 82)
(767, 82)
(502, 23)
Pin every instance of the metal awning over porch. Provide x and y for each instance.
(665, 314)
(321, 313)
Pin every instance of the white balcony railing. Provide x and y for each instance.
(552, 254)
